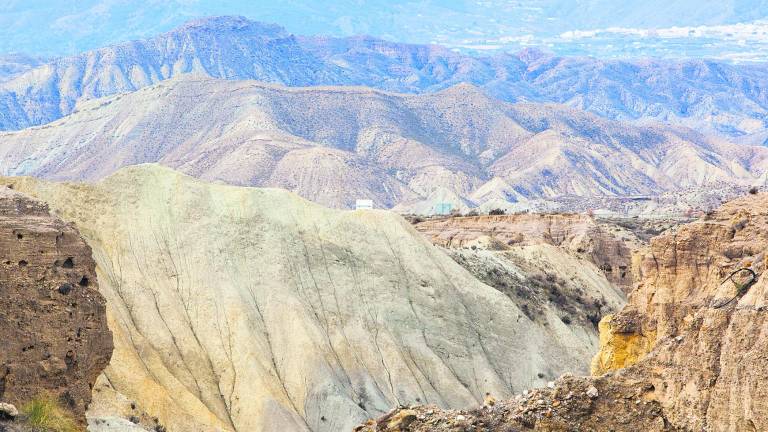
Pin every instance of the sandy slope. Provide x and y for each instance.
(253, 309)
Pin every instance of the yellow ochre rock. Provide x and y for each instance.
(620, 346)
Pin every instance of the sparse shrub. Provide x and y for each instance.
(523, 293)
(753, 190)
(497, 212)
(555, 296)
(527, 311)
(653, 231)
(472, 213)
(537, 281)
(45, 414)
(565, 319)
(594, 319)
(740, 224)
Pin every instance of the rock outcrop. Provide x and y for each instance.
(581, 235)
(570, 404)
(53, 325)
(706, 343)
(688, 352)
(254, 310)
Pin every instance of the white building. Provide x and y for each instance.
(364, 204)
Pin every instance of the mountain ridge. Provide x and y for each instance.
(333, 145)
(711, 96)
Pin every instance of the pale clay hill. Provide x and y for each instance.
(713, 97)
(565, 267)
(255, 310)
(333, 145)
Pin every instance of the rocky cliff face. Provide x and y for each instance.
(688, 353)
(707, 362)
(53, 323)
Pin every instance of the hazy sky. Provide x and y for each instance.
(726, 29)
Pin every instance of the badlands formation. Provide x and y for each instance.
(687, 353)
(604, 245)
(242, 309)
(555, 267)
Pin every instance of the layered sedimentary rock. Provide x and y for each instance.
(254, 310)
(692, 343)
(708, 358)
(578, 234)
(54, 338)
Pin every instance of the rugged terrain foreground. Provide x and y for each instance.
(249, 310)
(687, 353)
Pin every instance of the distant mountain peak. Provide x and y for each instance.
(533, 55)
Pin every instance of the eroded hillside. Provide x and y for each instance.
(253, 309)
(556, 267)
(333, 145)
(687, 353)
(605, 245)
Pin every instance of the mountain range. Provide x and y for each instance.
(333, 145)
(702, 28)
(715, 97)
